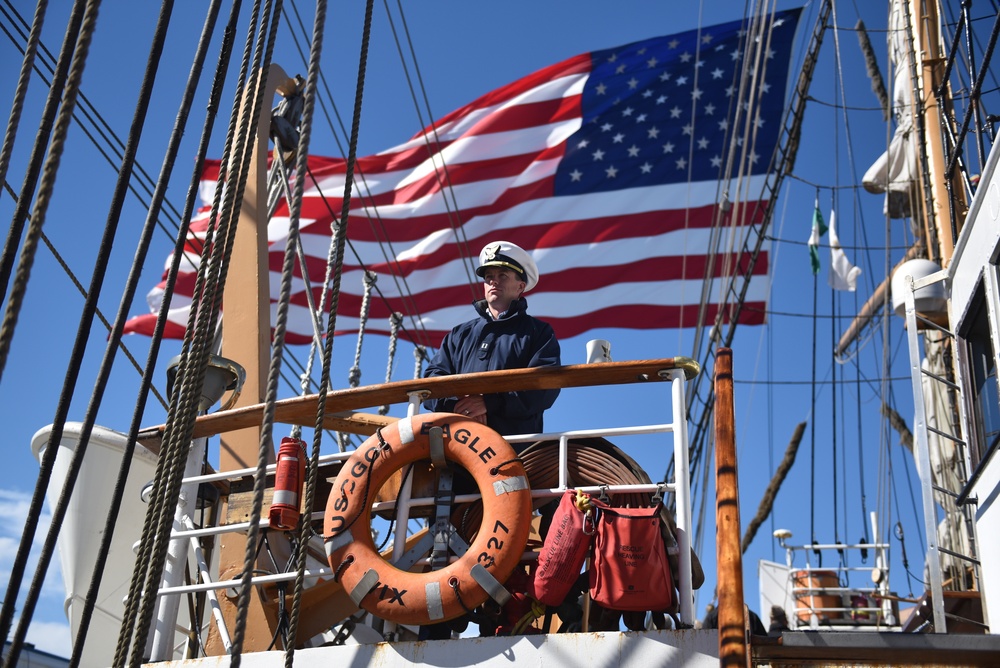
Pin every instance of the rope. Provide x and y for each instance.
(21, 90)
(262, 50)
(390, 257)
(812, 428)
(419, 355)
(395, 320)
(354, 377)
(305, 528)
(132, 283)
(47, 184)
(833, 422)
(336, 257)
(200, 331)
(84, 32)
(179, 244)
(295, 209)
(398, 277)
(441, 172)
(49, 112)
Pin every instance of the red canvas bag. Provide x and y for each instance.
(564, 551)
(630, 569)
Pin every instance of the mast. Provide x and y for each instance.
(246, 338)
(931, 108)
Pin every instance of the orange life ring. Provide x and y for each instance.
(434, 596)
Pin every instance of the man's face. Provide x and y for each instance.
(501, 286)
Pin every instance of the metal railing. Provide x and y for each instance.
(680, 487)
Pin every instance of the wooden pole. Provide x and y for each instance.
(729, 558)
(246, 339)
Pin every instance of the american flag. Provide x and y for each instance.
(607, 167)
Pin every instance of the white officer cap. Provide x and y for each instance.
(512, 256)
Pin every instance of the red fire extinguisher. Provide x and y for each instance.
(289, 475)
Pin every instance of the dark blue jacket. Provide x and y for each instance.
(516, 341)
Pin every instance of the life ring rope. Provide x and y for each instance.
(476, 574)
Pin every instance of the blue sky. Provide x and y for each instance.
(463, 51)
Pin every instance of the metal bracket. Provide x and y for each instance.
(490, 584)
(365, 585)
(435, 438)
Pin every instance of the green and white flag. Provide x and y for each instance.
(843, 274)
(818, 230)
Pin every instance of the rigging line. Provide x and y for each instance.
(848, 107)
(731, 163)
(839, 94)
(391, 257)
(749, 249)
(360, 177)
(883, 499)
(83, 28)
(295, 208)
(38, 155)
(796, 242)
(812, 421)
(447, 187)
(262, 59)
(791, 124)
(68, 271)
(752, 130)
(279, 170)
(89, 113)
(770, 420)
(337, 253)
(97, 283)
(84, 106)
(823, 186)
(394, 323)
(21, 90)
(306, 375)
(203, 318)
(132, 282)
(857, 208)
(214, 102)
(405, 294)
(843, 454)
(833, 430)
(715, 234)
(862, 483)
(725, 172)
(911, 487)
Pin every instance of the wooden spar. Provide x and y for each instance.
(925, 21)
(875, 303)
(246, 301)
(341, 403)
(733, 649)
(246, 339)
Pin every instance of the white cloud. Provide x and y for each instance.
(51, 637)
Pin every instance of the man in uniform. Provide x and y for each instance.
(502, 336)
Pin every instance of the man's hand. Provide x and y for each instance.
(472, 406)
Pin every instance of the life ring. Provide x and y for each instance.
(439, 595)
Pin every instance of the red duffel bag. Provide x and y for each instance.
(630, 569)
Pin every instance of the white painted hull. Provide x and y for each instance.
(663, 649)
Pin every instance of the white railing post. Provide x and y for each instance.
(213, 599)
(682, 493)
